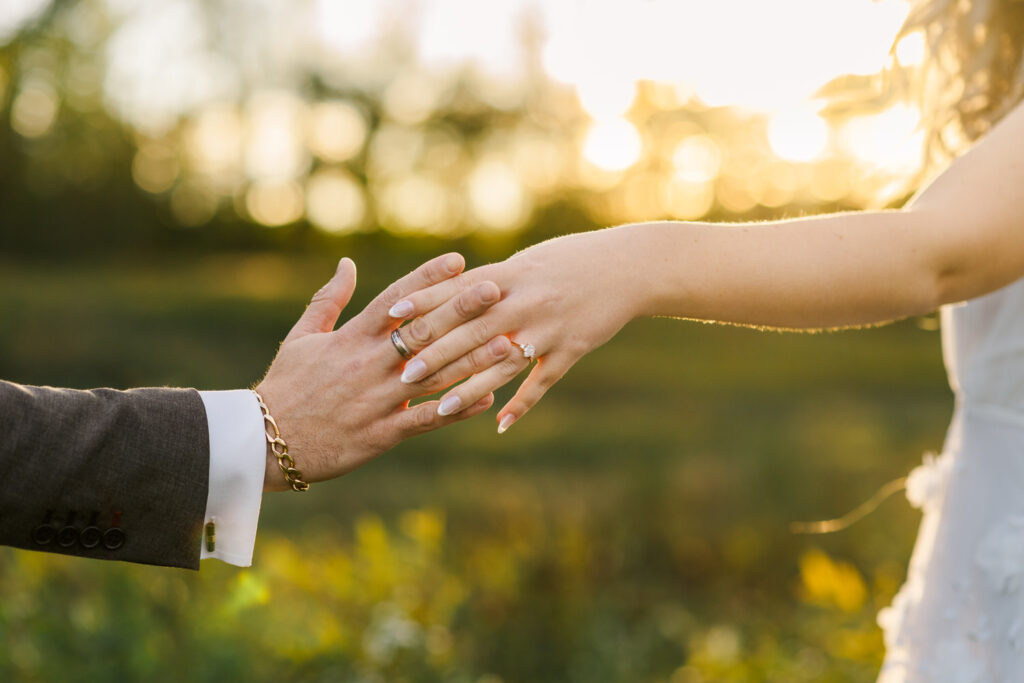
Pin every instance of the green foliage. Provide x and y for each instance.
(634, 527)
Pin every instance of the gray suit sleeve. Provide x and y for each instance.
(119, 475)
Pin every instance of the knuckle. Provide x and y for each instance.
(434, 382)
(419, 331)
(510, 367)
(321, 294)
(434, 271)
(547, 380)
(465, 304)
(424, 417)
(391, 295)
(480, 331)
(480, 359)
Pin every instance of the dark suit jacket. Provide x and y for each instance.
(119, 475)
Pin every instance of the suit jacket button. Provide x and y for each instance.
(90, 537)
(44, 534)
(67, 536)
(113, 539)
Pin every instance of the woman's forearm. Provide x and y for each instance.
(961, 236)
(829, 271)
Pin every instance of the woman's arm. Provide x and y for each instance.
(959, 238)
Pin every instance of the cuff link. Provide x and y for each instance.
(211, 535)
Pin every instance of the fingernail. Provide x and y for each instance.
(401, 310)
(452, 263)
(342, 262)
(414, 370)
(505, 423)
(449, 405)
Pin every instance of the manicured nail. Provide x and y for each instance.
(505, 423)
(414, 370)
(401, 310)
(449, 405)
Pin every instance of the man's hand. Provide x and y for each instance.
(336, 394)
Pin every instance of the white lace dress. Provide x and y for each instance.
(960, 615)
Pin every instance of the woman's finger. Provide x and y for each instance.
(436, 270)
(457, 343)
(545, 375)
(477, 386)
(474, 362)
(428, 298)
(426, 329)
(425, 418)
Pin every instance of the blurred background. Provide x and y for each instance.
(178, 176)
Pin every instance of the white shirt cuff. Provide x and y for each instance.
(238, 448)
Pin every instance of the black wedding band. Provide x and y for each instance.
(396, 339)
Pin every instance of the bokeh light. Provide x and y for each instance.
(910, 51)
(697, 159)
(155, 167)
(213, 141)
(35, 108)
(496, 196)
(612, 145)
(274, 140)
(604, 98)
(798, 135)
(16, 13)
(890, 140)
(418, 203)
(336, 131)
(334, 201)
(688, 200)
(275, 202)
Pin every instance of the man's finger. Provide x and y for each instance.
(439, 269)
(321, 315)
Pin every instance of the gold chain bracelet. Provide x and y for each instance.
(280, 449)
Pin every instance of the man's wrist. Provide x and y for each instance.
(274, 478)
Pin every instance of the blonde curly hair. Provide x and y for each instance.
(972, 75)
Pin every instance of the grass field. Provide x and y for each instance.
(634, 527)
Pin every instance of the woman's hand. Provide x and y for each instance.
(565, 297)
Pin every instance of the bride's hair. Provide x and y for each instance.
(972, 74)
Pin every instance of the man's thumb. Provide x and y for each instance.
(322, 313)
